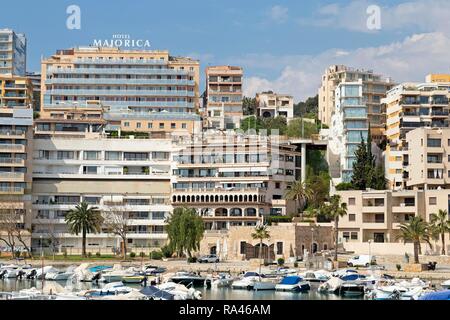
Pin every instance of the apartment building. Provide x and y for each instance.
(271, 105)
(428, 154)
(125, 177)
(139, 90)
(349, 127)
(374, 219)
(234, 180)
(16, 120)
(410, 106)
(374, 89)
(36, 83)
(223, 97)
(13, 48)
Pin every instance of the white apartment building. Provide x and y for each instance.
(271, 105)
(234, 180)
(115, 175)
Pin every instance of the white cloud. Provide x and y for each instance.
(420, 15)
(408, 60)
(278, 13)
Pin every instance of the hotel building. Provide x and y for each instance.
(271, 105)
(13, 48)
(223, 97)
(234, 180)
(148, 91)
(374, 89)
(127, 177)
(410, 106)
(16, 132)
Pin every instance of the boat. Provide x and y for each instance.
(113, 288)
(133, 279)
(404, 290)
(99, 268)
(190, 279)
(153, 270)
(41, 272)
(60, 275)
(331, 286)
(293, 283)
(180, 292)
(222, 280)
(118, 274)
(267, 284)
(439, 295)
(154, 293)
(247, 281)
(316, 276)
(446, 285)
(352, 289)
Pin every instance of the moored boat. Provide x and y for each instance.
(293, 283)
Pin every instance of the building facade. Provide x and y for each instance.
(130, 85)
(129, 178)
(36, 83)
(223, 97)
(410, 106)
(374, 89)
(271, 105)
(13, 49)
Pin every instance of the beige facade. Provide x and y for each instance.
(410, 106)
(287, 240)
(223, 97)
(377, 216)
(271, 105)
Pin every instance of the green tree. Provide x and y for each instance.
(300, 193)
(441, 225)
(84, 219)
(298, 128)
(185, 230)
(307, 108)
(248, 106)
(415, 230)
(334, 210)
(251, 122)
(319, 184)
(260, 233)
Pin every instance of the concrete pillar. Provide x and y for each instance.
(303, 162)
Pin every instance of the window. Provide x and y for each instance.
(432, 200)
(379, 218)
(279, 247)
(91, 155)
(346, 235)
(173, 126)
(161, 125)
(354, 236)
(243, 246)
(183, 125)
(352, 217)
(138, 124)
(277, 185)
(112, 155)
(89, 170)
(149, 125)
(126, 124)
(62, 155)
(433, 143)
(351, 201)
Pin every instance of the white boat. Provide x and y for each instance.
(13, 271)
(117, 274)
(446, 284)
(113, 288)
(352, 289)
(293, 284)
(41, 272)
(316, 276)
(222, 280)
(264, 284)
(331, 286)
(247, 281)
(60, 275)
(190, 279)
(180, 291)
(404, 290)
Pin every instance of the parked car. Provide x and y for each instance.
(208, 259)
(361, 261)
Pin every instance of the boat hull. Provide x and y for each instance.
(263, 285)
(300, 287)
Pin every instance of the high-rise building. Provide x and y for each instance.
(13, 50)
(16, 133)
(410, 106)
(223, 97)
(374, 89)
(271, 105)
(36, 83)
(147, 91)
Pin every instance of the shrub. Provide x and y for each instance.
(280, 261)
(295, 264)
(141, 254)
(65, 254)
(167, 251)
(156, 255)
(89, 254)
(192, 259)
(399, 267)
(132, 255)
(98, 255)
(344, 186)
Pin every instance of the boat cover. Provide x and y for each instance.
(291, 280)
(153, 291)
(440, 295)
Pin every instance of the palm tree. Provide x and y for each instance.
(299, 192)
(441, 225)
(415, 230)
(334, 210)
(260, 234)
(84, 219)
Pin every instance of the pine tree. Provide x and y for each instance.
(359, 177)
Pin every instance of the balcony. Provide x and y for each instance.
(182, 93)
(12, 134)
(12, 176)
(404, 208)
(130, 71)
(12, 162)
(12, 190)
(19, 148)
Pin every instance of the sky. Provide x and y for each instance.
(283, 46)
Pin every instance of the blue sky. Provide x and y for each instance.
(282, 45)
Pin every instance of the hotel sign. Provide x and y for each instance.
(122, 41)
